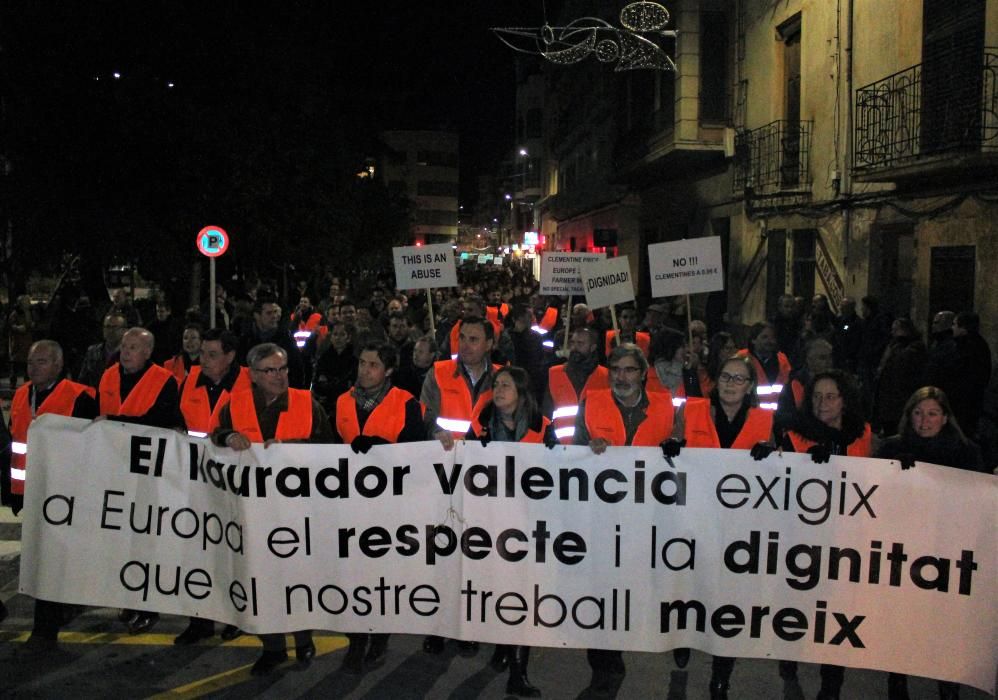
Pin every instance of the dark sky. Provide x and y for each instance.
(376, 65)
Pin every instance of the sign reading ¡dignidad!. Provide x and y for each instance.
(424, 267)
(690, 266)
(561, 272)
(608, 283)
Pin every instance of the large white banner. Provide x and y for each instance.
(854, 562)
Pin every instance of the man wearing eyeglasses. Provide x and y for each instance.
(270, 412)
(623, 415)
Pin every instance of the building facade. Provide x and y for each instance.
(423, 165)
(840, 147)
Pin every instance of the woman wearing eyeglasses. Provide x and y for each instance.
(829, 422)
(729, 419)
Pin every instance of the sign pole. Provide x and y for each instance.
(568, 326)
(616, 330)
(689, 321)
(429, 306)
(211, 292)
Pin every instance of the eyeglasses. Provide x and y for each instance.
(736, 379)
(818, 398)
(617, 369)
(272, 371)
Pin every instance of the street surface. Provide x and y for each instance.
(97, 658)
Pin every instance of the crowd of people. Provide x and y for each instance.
(357, 362)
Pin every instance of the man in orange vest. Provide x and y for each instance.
(454, 391)
(269, 412)
(455, 388)
(47, 391)
(623, 415)
(134, 390)
(627, 318)
(570, 383)
(204, 392)
(372, 413)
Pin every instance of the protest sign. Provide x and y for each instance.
(690, 266)
(608, 282)
(516, 544)
(561, 272)
(425, 267)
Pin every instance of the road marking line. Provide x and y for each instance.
(325, 644)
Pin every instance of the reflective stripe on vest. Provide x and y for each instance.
(197, 434)
(293, 424)
(301, 338)
(455, 409)
(140, 399)
(566, 402)
(603, 419)
(60, 401)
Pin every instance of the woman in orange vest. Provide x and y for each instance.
(512, 415)
(830, 422)
(771, 366)
(729, 419)
(180, 365)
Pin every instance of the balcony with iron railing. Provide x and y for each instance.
(774, 161)
(926, 118)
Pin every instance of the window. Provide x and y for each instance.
(713, 67)
(447, 159)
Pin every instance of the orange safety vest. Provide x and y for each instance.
(641, 339)
(455, 398)
(531, 436)
(769, 394)
(294, 423)
(857, 448)
(798, 390)
(311, 323)
(60, 401)
(603, 419)
(175, 365)
(699, 428)
(140, 399)
(455, 334)
(566, 403)
(386, 421)
(200, 417)
(497, 313)
(548, 321)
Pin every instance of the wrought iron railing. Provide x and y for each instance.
(774, 158)
(925, 110)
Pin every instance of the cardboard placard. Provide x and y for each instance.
(690, 266)
(424, 267)
(608, 282)
(561, 272)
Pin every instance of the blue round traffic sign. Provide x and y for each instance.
(212, 241)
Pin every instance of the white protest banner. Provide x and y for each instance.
(853, 563)
(483, 258)
(561, 273)
(425, 266)
(497, 260)
(690, 266)
(608, 282)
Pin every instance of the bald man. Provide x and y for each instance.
(134, 390)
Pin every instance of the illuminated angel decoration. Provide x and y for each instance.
(588, 36)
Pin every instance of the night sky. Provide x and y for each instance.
(375, 65)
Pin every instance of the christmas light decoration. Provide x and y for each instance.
(626, 45)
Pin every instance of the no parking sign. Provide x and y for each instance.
(212, 241)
